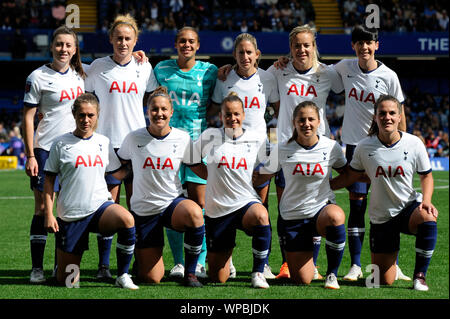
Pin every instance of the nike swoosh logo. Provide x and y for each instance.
(141, 146)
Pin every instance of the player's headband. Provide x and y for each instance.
(364, 34)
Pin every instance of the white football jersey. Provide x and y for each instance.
(230, 164)
(81, 165)
(295, 87)
(256, 92)
(391, 170)
(156, 163)
(307, 173)
(362, 89)
(120, 90)
(53, 93)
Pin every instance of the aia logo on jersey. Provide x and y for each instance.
(234, 164)
(389, 172)
(253, 102)
(361, 96)
(304, 91)
(307, 169)
(70, 94)
(156, 163)
(124, 88)
(183, 99)
(87, 162)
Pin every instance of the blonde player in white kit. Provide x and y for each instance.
(156, 153)
(303, 78)
(231, 201)
(51, 90)
(80, 159)
(365, 79)
(308, 206)
(257, 89)
(390, 158)
(120, 83)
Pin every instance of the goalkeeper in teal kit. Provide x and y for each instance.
(190, 84)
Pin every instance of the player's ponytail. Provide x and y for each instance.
(374, 130)
(297, 109)
(75, 62)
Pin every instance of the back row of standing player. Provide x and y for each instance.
(120, 83)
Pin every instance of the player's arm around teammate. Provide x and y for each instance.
(231, 201)
(390, 158)
(156, 153)
(84, 204)
(307, 206)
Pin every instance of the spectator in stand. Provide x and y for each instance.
(244, 26)
(443, 148)
(443, 21)
(432, 143)
(17, 147)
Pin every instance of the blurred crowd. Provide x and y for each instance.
(225, 15)
(399, 15)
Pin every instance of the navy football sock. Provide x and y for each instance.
(260, 246)
(193, 242)
(104, 249)
(356, 229)
(335, 244)
(425, 242)
(38, 239)
(126, 238)
(316, 242)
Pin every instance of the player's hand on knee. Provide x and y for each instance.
(429, 208)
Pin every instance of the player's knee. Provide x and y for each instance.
(150, 278)
(195, 216)
(302, 278)
(426, 217)
(336, 216)
(261, 217)
(127, 219)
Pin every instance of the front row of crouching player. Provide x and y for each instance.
(387, 158)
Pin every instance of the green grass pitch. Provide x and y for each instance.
(16, 209)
